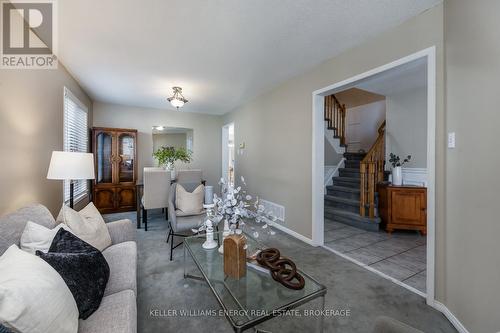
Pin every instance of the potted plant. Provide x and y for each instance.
(167, 156)
(397, 173)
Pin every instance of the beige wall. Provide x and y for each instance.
(472, 266)
(277, 126)
(363, 122)
(406, 132)
(31, 127)
(207, 134)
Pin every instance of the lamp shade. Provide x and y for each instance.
(71, 166)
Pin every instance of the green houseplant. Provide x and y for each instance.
(167, 156)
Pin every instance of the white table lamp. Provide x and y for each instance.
(71, 166)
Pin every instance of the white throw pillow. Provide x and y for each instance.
(33, 296)
(86, 224)
(37, 237)
(187, 203)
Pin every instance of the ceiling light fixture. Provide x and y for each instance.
(177, 100)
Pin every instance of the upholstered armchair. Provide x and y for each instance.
(156, 191)
(189, 176)
(179, 225)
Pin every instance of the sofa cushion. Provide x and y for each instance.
(12, 225)
(82, 267)
(117, 313)
(122, 261)
(121, 231)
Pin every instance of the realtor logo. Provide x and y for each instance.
(28, 34)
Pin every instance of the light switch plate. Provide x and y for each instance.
(451, 140)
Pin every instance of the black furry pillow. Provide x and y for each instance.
(82, 267)
(4, 329)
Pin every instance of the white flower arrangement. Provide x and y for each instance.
(235, 205)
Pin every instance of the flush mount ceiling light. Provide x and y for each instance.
(177, 100)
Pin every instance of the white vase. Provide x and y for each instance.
(397, 176)
(172, 174)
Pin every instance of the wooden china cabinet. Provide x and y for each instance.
(115, 158)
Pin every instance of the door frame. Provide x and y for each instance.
(225, 153)
(318, 157)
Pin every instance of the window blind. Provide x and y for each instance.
(76, 138)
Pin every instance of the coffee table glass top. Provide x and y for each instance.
(256, 296)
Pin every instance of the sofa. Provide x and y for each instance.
(118, 309)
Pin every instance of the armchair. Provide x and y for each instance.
(180, 226)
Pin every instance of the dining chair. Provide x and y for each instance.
(156, 192)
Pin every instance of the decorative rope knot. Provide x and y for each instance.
(283, 270)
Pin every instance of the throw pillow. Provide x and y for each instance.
(82, 267)
(33, 296)
(4, 329)
(86, 224)
(187, 203)
(36, 237)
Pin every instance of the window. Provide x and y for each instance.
(76, 138)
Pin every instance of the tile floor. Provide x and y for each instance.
(401, 255)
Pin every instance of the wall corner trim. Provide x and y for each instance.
(450, 316)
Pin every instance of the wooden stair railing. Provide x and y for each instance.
(371, 171)
(335, 116)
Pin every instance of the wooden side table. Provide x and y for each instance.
(403, 207)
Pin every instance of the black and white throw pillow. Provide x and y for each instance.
(82, 267)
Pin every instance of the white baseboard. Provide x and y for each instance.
(450, 316)
(292, 233)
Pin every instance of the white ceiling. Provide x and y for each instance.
(410, 76)
(221, 52)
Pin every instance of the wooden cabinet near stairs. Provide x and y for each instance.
(403, 207)
(115, 158)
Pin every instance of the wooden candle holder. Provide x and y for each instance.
(235, 256)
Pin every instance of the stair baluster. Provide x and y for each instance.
(371, 173)
(335, 116)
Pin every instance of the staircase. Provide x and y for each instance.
(342, 200)
(352, 198)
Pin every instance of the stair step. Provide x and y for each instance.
(352, 164)
(349, 172)
(343, 192)
(346, 182)
(354, 156)
(342, 203)
(352, 219)
(342, 188)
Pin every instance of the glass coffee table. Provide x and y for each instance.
(255, 298)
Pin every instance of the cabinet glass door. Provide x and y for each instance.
(104, 158)
(126, 149)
